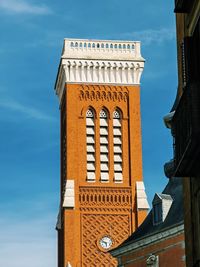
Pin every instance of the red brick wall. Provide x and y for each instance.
(76, 101)
(171, 253)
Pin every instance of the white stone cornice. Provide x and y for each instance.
(99, 62)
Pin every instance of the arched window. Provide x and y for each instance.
(117, 142)
(104, 162)
(90, 141)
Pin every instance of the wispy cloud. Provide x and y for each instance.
(150, 36)
(23, 7)
(27, 111)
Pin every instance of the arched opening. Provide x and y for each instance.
(117, 143)
(104, 164)
(90, 144)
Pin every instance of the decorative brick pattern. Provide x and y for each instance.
(116, 199)
(103, 92)
(94, 226)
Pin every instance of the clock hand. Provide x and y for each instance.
(104, 242)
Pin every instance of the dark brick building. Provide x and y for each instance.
(159, 241)
(185, 122)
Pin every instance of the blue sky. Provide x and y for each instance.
(32, 33)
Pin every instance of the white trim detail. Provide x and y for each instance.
(101, 62)
(142, 202)
(69, 196)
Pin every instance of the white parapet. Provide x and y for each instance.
(99, 62)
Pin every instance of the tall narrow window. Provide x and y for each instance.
(90, 140)
(117, 142)
(104, 164)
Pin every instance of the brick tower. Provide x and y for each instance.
(102, 194)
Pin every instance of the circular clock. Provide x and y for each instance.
(106, 242)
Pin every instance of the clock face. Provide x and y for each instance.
(106, 242)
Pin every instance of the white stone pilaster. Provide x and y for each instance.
(69, 195)
(142, 203)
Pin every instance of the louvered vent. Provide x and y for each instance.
(117, 142)
(104, 162)
(90, 140)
